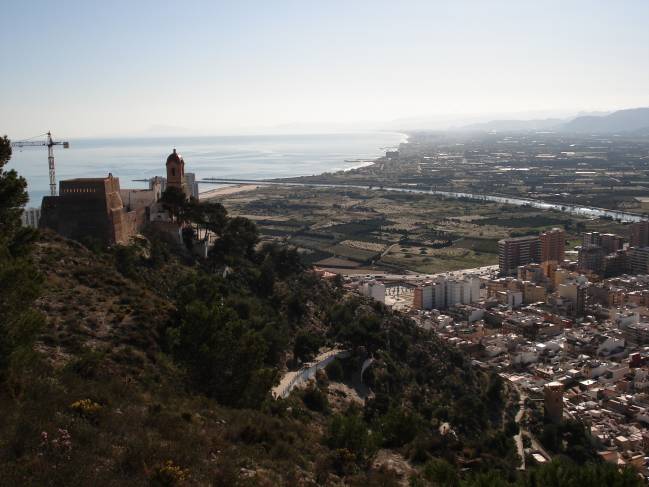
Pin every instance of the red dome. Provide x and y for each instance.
(175, 157)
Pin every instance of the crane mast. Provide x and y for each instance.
(50, 155)
(50, 164)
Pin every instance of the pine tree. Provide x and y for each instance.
(19, 280)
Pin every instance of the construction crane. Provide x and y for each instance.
(49, 143)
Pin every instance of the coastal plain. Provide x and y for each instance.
(353, 231)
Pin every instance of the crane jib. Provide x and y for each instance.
(49, 143)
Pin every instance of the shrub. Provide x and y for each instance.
(398, 427)
(315, 399)
(335, 371)
(306, 345)
(441, 473)
(168, 475)
(86, 408)
(351, 433)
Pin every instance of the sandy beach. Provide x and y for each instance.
(228, 190)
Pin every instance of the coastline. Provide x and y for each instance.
(226, 190)
(136, 159)
(235, 187)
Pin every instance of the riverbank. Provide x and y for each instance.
(585, 211)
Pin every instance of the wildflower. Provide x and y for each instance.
(86, 408)
(169, 475)
(57, 447)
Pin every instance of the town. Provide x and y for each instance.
(569, 330)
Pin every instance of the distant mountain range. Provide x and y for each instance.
(515, 125)
(631, 120)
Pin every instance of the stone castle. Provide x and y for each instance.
(98, 209)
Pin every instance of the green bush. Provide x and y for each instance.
(335, 371)
(351, 433)
(441, 473)
(315, 399)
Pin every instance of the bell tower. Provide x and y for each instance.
(175, 171)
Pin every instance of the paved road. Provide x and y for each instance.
(412, 276)
(292, 379)
(518, 437)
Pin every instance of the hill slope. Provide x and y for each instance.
(121, 410)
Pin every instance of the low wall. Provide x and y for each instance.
(305, 374)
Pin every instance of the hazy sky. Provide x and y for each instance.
(85, 68)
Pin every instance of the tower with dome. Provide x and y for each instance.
(177, 178)
(176, 171)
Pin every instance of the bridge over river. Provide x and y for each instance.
(587, 211)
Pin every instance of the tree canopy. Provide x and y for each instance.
(19, 281)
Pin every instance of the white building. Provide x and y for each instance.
(462, 291)
(31, 217)
(445, 292)
(192, 185)
(374, 289)
(514, 298)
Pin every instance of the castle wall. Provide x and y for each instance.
(91, 208)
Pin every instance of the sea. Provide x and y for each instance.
(244, 156)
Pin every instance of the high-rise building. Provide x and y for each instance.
(638, 260)
(639, 234)
(608, 241)
(553, 245)
(514, 252)
(423, 296)
(590, 239)
(443, 293)
(591, 258)
(374, 290)
(553, 401)
(615, 263)
(31, 217)
(611, 243)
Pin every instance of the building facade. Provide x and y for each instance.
(639, 234)
(30, 217)
(591, 259)
(553, 401)
(514, 252)
(638, 260)
(444, 293)
(91, 208)
(175, 171)
(553, 245)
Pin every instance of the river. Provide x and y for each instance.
(587, 211)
